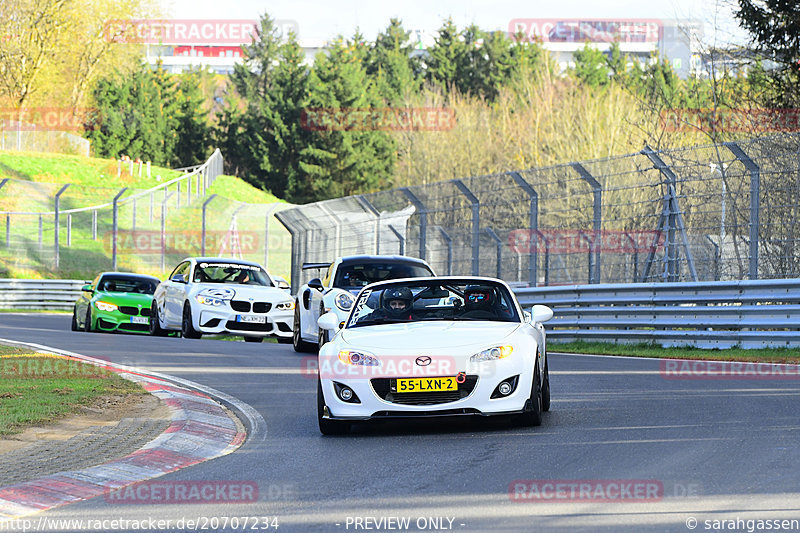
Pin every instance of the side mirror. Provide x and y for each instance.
(87, 288)
(283, 284)
(178, 278)
(329, 321)
(316, 284)
(541, 313)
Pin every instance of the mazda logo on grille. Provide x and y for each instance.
(423, 361)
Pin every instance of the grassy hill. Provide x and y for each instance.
(37, 177)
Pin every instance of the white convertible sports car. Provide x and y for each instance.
(336, 291)
(439, 346)
(220, 295)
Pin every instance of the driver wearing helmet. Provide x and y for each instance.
(396, 302)
(479, 302)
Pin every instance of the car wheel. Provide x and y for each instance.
(533, 407)
(74, 319)
(297, 341)
(187, 328)
(87, 325)
(328, 427)
(546, 388)
(155, 325)
(253, 339)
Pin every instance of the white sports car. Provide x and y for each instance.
(439, 346)
(336, 291)
(212, 295)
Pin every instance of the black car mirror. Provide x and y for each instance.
(316, 284)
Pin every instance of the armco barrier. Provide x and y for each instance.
(750, 314)
(39, 294)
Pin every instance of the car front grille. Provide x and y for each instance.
(134, 311)
(385, 389)
(241, 306)
(247, 326)
(261, 307)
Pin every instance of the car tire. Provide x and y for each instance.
(187, 328)
(87, 325)
(297, 340)
(546, 388)
(532, 415)
(155, 324)
(326, 426)
(74, 326)
(253, 339)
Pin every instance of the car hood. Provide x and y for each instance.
(125, 298)
(246, 292)
(427, 336)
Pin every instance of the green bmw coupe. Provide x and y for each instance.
(115, 301)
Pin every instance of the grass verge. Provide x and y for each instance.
(765, 355)
(38, 388)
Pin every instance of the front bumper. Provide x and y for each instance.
(477, 402)
(276, 323)
(118, 321)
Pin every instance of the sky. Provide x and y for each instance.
(320, 21)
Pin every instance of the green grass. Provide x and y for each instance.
(765, 355)
(238, 190)
(39, 388)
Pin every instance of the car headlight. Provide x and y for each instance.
(492, 354)
(285, 306)
(343, 301)
(105, 306)
(357, 358)
(214, 297)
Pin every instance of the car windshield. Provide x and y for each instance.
(127, 284)
(434, 300)
(357, 275)
(242, 274)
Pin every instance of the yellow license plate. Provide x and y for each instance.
(426, 384)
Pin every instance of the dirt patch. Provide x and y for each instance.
(107, 411)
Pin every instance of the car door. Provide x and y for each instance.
(175, 294)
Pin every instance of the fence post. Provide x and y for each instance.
(400, 238)
(449, 242)
(755, 191)
(203, 226)
(8, 231)
(69, 229)
(423, 219)
(94, 224)
(534, 226)
(114, 228)
(597, 221)
(476, 225)
(499, 244)
(55, 222)
(371, 208)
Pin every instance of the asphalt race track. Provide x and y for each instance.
(656, 454)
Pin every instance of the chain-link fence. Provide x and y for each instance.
(147, 231)
(715, 212)
(21, 136)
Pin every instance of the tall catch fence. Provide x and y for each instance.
(71, 230)
(714, 212)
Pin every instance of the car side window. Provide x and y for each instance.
(183, 268)
(327, 280)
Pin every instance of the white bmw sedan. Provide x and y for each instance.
(441, 346)
(209, 295)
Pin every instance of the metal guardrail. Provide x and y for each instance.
(39, 294)
(750, 314)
